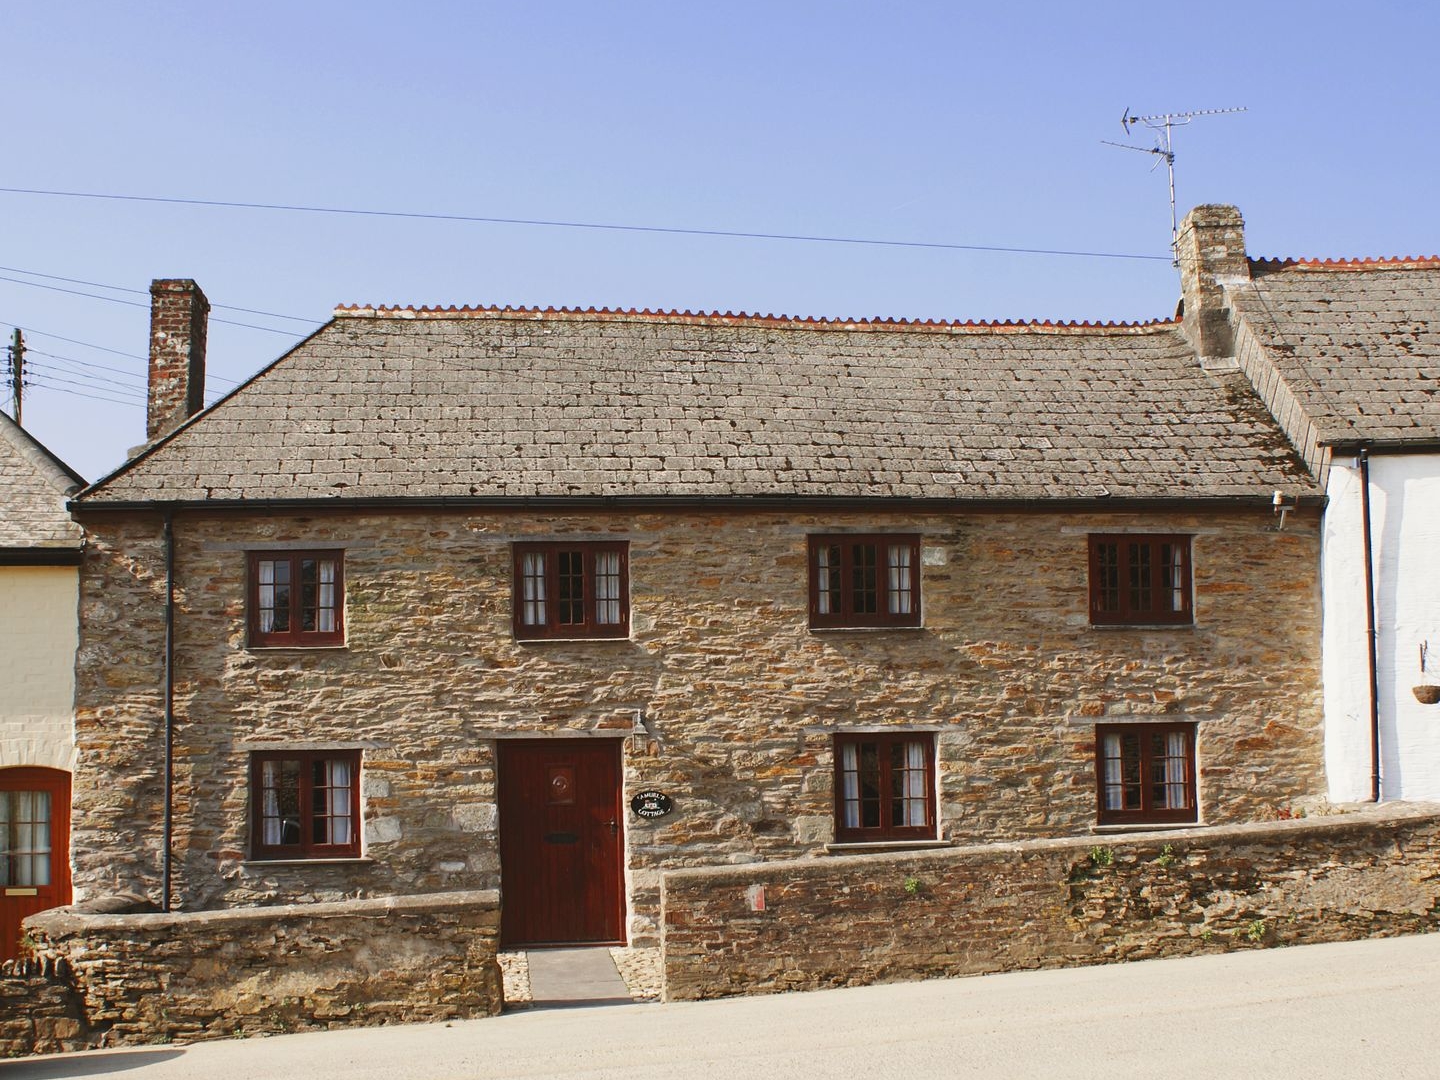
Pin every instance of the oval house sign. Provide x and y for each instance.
(651, 804)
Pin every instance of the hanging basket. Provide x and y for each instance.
(1427, 693)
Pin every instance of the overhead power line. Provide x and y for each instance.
(560, 224)
(137, 303)
(76, 341)
(143, 292)
(43, 383)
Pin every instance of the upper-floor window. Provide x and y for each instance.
(576, 589)
(305, 804)
(1145, 773)
(296, 598)
(861, 581)
(1140, 579)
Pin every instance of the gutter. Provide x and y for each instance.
(1363, 460)
(825, 503)
(167, 856)
(41, 556)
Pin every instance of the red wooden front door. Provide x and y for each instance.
(34, 848)
(560, 842)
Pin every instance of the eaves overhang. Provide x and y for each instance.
(1351, 445)
(671, 503)
(40, 556)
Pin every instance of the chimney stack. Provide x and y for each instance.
(1211, 253)
(178, 313)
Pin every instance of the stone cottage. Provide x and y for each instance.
(1346, 355)
(558, 600)
(39, 582)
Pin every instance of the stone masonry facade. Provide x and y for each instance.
(722, 695)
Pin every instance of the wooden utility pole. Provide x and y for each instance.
(17, 370)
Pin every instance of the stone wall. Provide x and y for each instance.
(40, 1008)
(203, 975)
(808, 924)
(723, 696)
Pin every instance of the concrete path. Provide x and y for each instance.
(1322, 1011)
(561, 977)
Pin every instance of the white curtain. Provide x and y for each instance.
(267, 595)
(270, 809)
(1176, 758)
(28, 825)
(325, 616)
(850, 773)
(914, 782)
(339, 780)
(1114, 780)
(900, 598)
(1176, 584)
(607, 588)
(532, 574)
(822, 580)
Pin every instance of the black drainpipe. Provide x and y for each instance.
(1363, 458)
(166, 858)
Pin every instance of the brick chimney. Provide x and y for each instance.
(1211, 253)
(178, 312)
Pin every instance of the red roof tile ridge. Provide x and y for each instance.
(1372, 262)
(733, 318)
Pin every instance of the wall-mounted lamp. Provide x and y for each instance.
(1282, 508)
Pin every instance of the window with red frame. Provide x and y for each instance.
(305, 804)
(296, 598)
(572, 590)
(884, 787)
(1140, 580)
(864, 581)
(1145, 773)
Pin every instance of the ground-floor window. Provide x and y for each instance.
(884, 787)
(1145, 773)
(305, 804)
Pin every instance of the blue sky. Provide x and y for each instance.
(936, 122)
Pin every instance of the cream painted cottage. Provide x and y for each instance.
(39, 579)
(557, 600)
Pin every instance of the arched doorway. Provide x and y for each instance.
(34, 848)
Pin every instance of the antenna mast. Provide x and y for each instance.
(1162, 124)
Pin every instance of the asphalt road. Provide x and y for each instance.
(1360, 1008)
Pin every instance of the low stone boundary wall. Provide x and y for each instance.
(859, 919)
(40, 1009)
(180, 977)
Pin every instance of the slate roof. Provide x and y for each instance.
(515, 404)
(1356, 341)
(33, 487)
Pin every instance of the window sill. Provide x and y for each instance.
(572, 640)
(861, 847)
(1138, 827)
(907, 629)
(298, 648)
(348, 860)
(1143, 626)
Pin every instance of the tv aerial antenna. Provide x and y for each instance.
(1164, 149)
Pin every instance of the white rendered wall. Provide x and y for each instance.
(38, 636)
(1405, 524)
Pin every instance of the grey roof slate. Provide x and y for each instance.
(491, 403)
(34, 484)
(1358, 343)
